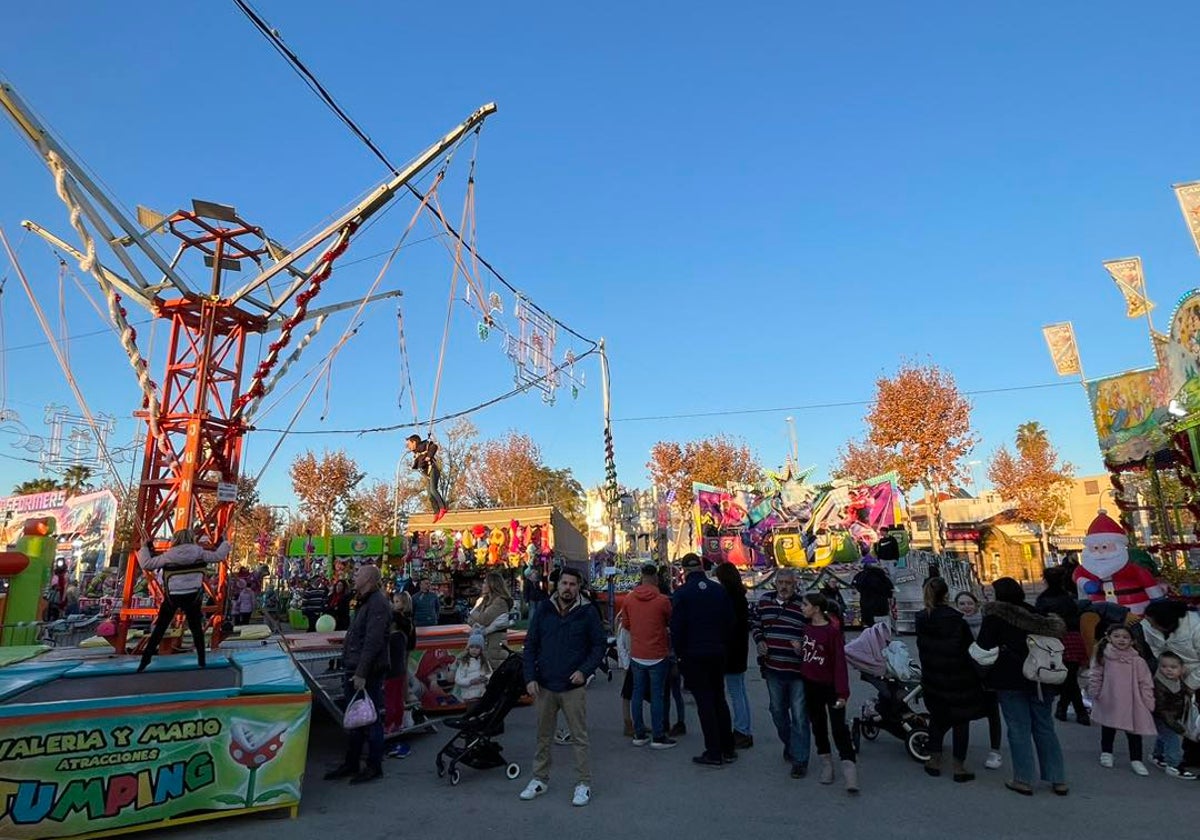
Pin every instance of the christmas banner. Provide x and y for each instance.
(1189, 202)
(107, 769)
(1128, 275)
(1060, 338)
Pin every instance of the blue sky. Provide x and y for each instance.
(758, 209)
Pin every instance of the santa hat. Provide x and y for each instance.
(1105, 527)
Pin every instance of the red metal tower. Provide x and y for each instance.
(198, 417)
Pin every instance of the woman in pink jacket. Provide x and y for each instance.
(1122, 696)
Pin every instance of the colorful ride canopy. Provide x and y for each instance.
(1130, 409)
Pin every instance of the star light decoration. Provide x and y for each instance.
(532, 352)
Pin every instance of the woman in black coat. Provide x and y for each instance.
(1027, 706)
(737, 655)
(953, 692)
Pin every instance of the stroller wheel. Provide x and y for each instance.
(856, 734)
(870, 730)
(917, 744)
(512, 770)
(455, 776)
(441, 768)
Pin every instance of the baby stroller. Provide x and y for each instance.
(472, 745)
(887, 666)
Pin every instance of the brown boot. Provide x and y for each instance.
(934, 765)
(628, 719)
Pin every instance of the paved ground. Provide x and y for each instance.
(659, 794)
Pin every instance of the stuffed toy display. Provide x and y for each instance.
(1106, 573)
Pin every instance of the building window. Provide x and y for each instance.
(1091, 488)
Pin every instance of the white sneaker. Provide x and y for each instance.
(1138, 768)
(1106, 760)
(641, 741)
(583, 795)
(994, 760)
(534, 789)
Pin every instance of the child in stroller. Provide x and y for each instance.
(887, 665)
(472, 745)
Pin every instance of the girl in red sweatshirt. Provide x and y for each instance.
(826, 687)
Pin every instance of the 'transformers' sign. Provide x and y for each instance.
(34, 502)
(107, 770)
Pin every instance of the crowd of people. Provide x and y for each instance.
(975, 665)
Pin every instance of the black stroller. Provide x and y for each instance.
(472, 745)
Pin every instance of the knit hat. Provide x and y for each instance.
(475, 639)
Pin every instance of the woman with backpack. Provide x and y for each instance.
(1027, 706)
(953, 691)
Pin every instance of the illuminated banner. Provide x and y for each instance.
(33, 502)
(1131, 282)
(1189, 202)
(102, 772)
(1060, 338)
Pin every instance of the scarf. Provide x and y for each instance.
(974, 622)
(1173, 686)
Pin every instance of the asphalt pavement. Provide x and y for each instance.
(661, 794)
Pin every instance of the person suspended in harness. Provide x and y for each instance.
(181, 572)
(425, 462)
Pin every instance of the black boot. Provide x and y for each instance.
(368, 773)
(342, 771)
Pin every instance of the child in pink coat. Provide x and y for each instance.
(1122, 693)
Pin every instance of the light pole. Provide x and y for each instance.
(975, 478)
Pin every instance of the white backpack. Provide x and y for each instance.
(1044, 664)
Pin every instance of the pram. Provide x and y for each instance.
(472, 745)
(886, 665)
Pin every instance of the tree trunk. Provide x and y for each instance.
(935, 517)
(1045, 542)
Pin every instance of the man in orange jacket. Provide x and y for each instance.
(647, 617)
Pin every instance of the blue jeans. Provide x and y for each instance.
(1030, 721)
(1169, 745)
(790, 715)
(370, 736)
(739, 703)
(657, 674)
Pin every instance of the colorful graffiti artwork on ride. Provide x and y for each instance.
(1128, 418)
(112, 771)
(1130, 409)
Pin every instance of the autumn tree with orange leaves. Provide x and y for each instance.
(858, 460)
(1034, 480)
(718, 460)
(922, 419)
(324, 486)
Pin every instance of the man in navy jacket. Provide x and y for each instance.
(563, 646)
(701, 629)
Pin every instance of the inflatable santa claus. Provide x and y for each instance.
(1106, 573)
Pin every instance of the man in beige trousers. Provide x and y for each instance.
(563, 646)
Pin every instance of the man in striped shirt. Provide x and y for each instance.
(775, 623)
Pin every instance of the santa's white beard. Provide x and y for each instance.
(1104, 564)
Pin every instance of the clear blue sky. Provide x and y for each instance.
(758, 206)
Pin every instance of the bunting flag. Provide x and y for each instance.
(1131, 282)
(1060, 338)
(1189, 202)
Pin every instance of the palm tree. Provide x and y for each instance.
(75, 479)
(1028, 435)
(37, 485)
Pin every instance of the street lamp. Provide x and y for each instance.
(975, 478)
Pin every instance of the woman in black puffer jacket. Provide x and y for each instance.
(953, 691)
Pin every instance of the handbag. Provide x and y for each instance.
(360, 711)
(1191, 720)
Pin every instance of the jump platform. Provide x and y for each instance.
(91, 748)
